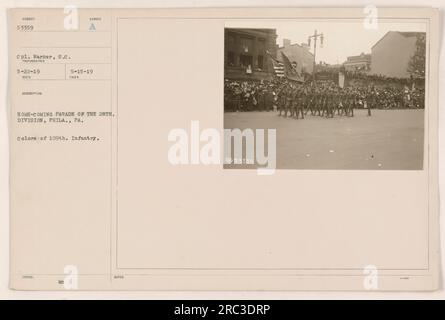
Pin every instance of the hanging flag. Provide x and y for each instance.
(290, 69)
(276, 65)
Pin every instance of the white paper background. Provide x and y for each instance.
(5, 293)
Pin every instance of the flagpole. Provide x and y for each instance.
(315, 36)
(315, 54)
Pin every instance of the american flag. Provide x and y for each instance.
(277, 66)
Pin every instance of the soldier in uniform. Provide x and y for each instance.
(349, 98)
(310, 102)
(353, 104)
(294, 97)
(332, 104)
(328, 104)
(293, 107)
(281, 99)
(341, 108)
(321, 102)
(269, 99)
(298, 100)
(289, 99)
(303, 103)
(337, 101)
(324, 103)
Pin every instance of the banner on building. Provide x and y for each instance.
(341, 79)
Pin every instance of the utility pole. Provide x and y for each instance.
(315, 36)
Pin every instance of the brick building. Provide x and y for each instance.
(361, 62)
(246, 53)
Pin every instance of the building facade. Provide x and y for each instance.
(391, 55)
(299, 56)
(246, 53)
(360, 63)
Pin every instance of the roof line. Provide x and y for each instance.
(381, 38)
(297, 45)
(402, 33)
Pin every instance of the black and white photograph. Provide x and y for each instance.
(340, 94)
(248, 152)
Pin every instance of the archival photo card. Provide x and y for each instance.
(339, 93)
(224, 149)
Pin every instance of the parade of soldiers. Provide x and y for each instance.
(326, 99)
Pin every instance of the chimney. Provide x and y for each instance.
(286, 43)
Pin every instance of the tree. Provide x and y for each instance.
(416, 66)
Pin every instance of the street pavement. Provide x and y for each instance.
(387, 140)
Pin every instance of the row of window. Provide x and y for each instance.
(244, 60)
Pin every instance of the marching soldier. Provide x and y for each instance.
(289, 98)
(342, 102)
(268, 99)
(281, 99)
(333, 103)
(337, 101)
(348, 103)
(329, 104)
(320, 102)
(353, 102)
(324, 104)
(310, 102)
(299, 104)
(294, 103)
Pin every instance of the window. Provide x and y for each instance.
(245, 60)
(246, 45)
(260, 61)
(261, 45)
(230, 58)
